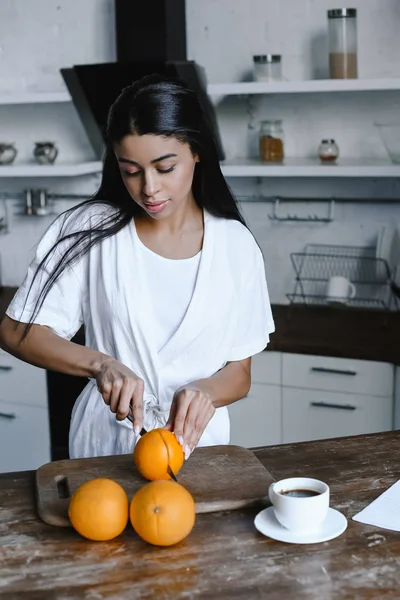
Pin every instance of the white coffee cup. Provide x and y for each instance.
(304, 513)
(340, 289)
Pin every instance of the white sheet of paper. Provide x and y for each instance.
(384, 511)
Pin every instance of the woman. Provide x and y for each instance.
(164, 275)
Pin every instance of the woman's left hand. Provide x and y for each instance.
(191, 411)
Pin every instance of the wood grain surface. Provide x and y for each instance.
(224, 556)
(218, 477)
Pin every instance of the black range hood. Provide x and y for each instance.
(150, 37)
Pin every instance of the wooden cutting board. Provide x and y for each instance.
(218, 477)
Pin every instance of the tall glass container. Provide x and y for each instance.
(342, 32)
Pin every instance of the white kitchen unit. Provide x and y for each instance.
(326, 397)
(317, 414)
(24, 417)
(300, 397)
(256, 420)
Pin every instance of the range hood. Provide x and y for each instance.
(150, 37)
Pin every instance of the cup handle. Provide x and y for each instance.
(352, 289)
(271, 493)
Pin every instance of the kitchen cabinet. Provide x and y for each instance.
(300, 397)
(24, 417)
(345, 375)
(314, 414)
(324, 397)
(24, 437)
(21, 383)
(256, 420)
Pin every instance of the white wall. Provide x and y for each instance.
(223, 35)
(39, 37)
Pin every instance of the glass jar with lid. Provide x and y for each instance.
(328, 151)
(271, 141)
(342, 34)
(267, 67)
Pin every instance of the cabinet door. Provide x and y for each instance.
(266, 368)
(312, 414)
(256, 419)
(21, 382)
(24, 437)
(345, 375)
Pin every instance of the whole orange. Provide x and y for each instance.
(99, 509)
(162, 513)
(155, 451)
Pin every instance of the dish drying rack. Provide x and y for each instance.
(371, 276)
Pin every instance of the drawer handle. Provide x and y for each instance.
(5, 368)
(7, 415)
(327, 405)
(334, 371)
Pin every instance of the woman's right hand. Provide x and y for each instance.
(121, 390)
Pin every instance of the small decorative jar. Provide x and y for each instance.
(45, 153)
(328, 151)
(8, 152)
(271, 141)
(267, 67)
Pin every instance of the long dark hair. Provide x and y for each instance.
(152, 105)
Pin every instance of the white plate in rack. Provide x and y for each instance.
(388, 250)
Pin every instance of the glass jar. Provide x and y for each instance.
(271, 141)
(342, 33)
(267, 67)
(328, 151)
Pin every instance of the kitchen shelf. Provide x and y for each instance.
(304, 87)
(34, 97)
(310, 168)
(56, 170)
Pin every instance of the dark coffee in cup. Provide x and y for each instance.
(300, 493)
(300, 503)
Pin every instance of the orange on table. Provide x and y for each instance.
(99, 509)
(162, 513)
(156, 450)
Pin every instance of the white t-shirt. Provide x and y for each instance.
(171, 284)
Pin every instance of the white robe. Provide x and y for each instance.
(228, 319)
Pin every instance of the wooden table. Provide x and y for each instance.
(224, 556)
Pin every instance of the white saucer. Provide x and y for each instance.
(334, 524)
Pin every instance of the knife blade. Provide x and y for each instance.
(142, 431)
(171, 474)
